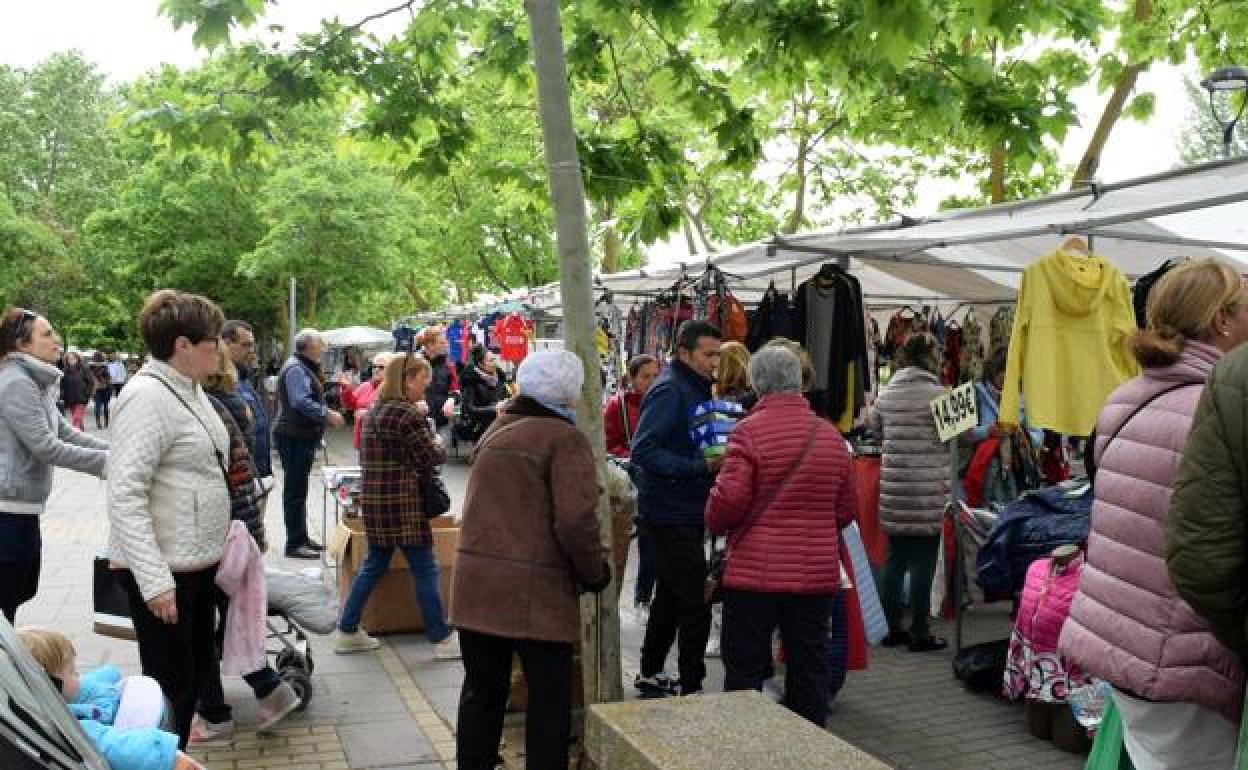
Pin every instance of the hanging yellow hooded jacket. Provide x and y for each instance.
(1068, 347)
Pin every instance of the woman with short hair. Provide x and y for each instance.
(484, 387)
(34, 437)
(168, 499)
(782, 496)
(398, 453)
(732, 378)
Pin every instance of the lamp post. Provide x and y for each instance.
(1227, 80)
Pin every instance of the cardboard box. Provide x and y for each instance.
(392, 607)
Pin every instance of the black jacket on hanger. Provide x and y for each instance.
(848, 340)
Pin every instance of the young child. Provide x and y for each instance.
(123, 729)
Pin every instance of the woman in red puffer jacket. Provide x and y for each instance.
(783, 494)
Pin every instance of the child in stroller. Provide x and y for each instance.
(122, 717)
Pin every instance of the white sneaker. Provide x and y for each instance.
(205, 734)
(275, 706)
(713, 646)
(448, 648)
(356, 641)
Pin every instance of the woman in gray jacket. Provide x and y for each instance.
(34, 436)
(914, 488)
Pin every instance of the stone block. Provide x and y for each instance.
(730, 731)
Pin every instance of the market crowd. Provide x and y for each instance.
(746, 493)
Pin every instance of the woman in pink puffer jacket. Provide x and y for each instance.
(1179, 691)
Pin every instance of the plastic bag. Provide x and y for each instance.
(1108, 750)
(306, 600)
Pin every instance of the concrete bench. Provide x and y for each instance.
(729, 731)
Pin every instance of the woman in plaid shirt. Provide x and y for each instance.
(397, 450)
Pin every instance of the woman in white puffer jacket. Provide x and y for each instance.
(168, 504)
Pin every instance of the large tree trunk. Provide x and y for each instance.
(612, 245)
(1085, 172)
(600, 622)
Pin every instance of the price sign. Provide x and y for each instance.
(955, 412)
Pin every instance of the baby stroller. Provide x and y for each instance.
(298, 605)
(37, 730)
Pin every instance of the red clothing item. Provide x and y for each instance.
(792, 546)
(359, 399)
(613, 422)
(513, 342)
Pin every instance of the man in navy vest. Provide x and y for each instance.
(301, 419)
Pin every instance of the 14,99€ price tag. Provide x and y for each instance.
(955, 412)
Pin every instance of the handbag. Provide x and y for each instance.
(110, 602)
(434, 497)
(713, 590)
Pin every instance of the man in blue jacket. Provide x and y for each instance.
(673, 482)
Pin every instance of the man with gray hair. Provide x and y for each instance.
(301, 419)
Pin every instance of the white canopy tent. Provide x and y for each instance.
(978, 255)
(358, 337)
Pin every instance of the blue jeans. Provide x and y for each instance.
(424, 572)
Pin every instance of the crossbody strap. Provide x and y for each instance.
(1134, 413)
(801, 458)
(225, 473)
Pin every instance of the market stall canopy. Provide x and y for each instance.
(358, 337)
(979, 254)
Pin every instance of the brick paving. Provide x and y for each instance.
(395, 709)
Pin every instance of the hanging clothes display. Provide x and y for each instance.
(971, 365)
(775, 316)
(831, 317)
(1068, 348)
(1000, 328)
(513, 339)
(455, 341)
(903, 323)
(952, 372)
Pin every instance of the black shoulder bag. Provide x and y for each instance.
(718, 564)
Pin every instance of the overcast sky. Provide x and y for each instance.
(127, 37)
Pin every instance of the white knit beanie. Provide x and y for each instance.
(551, 376)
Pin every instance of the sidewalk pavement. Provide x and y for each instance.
(395, 709)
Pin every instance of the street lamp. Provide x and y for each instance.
(1227, 80)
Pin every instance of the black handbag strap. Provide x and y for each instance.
(801, 458)
(1091, 467)
(225, 473)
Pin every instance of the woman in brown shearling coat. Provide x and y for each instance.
(529, 544)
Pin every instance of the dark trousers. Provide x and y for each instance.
(838, 646)
(19, 581)
(297, 456)
(643, 590)
(750, 618)
(180, 656)
(679, 607)
(915, 554)
(212, 706)
(487, 680)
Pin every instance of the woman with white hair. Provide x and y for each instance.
(529, 544)
(783, 494)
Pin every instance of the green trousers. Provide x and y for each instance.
(915, 554)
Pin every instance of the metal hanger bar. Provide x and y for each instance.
(897, 258)
(1173, 240)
